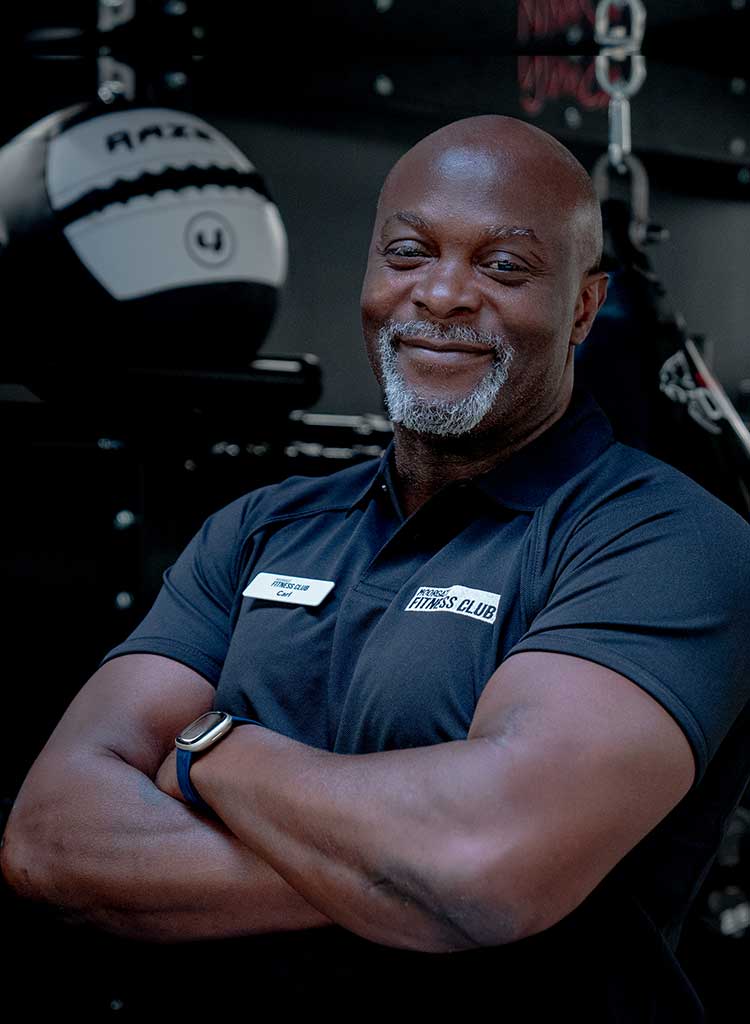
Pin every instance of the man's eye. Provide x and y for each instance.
(405, 249)
(504, 263)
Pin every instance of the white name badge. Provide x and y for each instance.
(272, 586)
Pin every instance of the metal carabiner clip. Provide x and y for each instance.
(607, 34)
(639, 193)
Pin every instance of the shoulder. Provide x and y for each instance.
(627, 486)
(632, 535)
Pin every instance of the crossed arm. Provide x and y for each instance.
(476, 842)
(92, 835)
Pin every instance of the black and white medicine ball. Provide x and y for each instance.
(135, 237)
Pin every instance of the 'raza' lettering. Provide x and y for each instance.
(170, 130)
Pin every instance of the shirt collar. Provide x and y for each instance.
(530, 476)
(382, 481)
(536, 471)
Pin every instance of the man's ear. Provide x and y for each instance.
(590, 300)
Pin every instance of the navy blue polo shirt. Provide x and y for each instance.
(576, 544)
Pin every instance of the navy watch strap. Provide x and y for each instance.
(184, 762)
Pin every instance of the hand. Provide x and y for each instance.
(166, 777)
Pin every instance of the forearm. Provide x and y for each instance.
(381, 843)
(110, 849)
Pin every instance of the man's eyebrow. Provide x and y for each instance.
(493, 233)
(407, 217)
(499, 232)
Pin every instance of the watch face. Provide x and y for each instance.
(204, 731)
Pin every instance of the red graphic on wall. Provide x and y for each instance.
(548, 77)
(551, 17)
(554, 77)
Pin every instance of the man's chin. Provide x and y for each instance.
(436, 419)
(433, 412)
(437, 400)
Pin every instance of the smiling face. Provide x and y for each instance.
(478, 283)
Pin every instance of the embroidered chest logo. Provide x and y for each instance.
(476, 604)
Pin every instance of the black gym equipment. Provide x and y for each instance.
(648, 374)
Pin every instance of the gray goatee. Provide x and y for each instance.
(444, 418)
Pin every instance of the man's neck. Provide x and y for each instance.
(425, 463)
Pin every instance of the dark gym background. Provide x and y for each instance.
(323, 101)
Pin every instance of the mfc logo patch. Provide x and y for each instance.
(477, 604)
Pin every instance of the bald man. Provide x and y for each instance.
(496, 682)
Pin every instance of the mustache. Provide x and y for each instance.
(392, 329)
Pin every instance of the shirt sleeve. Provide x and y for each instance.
(657, 592)
(190, 620)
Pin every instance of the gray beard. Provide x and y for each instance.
(444, 418)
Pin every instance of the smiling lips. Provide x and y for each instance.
(441, 353)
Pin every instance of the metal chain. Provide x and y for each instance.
(620, 45)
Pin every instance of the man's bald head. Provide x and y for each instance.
(505, 146)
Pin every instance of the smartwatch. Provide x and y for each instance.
(197, 738)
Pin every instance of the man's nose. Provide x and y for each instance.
(446, 288)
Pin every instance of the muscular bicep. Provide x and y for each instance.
(133, 707)
(586, 765)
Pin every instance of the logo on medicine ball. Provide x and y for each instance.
(148, 133)
(209, 239)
